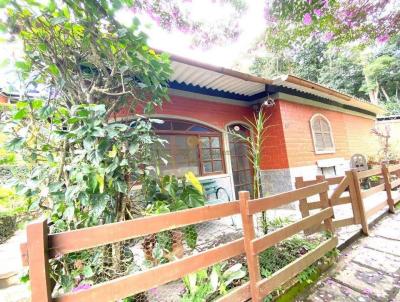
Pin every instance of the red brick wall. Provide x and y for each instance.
(3, 99)
(274, 150)
(220, 115)
(351, 134)
(212, 113)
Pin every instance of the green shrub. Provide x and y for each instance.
(8, 225)
(277, 257)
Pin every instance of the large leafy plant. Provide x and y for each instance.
(164, 194)
(81, 161)
(209, 283)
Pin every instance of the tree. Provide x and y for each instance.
(343, 72)
(337, 22)
(81, 162)
(177, 14)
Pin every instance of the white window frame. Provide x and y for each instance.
(329, 151)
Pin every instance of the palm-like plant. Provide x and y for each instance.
(256, 143)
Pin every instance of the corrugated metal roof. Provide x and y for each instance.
(316, 89)
(250, 87)
(204, 78)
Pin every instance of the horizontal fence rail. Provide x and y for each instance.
(260, 288)
(41, 246)
(348, 190)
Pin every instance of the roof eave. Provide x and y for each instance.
(334, 93)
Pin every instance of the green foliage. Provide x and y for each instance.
(81, 162)
(164, 194)
(168, 193)
(273, 224)
(344, 73)
(306, 276)
(277, 257)
(209, 283)
(371, 73)
(10, 202)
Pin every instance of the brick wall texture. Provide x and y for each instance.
(351, 134)
(3, 99)
(289, 140)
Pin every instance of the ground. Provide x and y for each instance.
(368, 270)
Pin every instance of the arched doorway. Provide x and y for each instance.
(241, 167)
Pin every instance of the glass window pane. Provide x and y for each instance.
(197, 128)
(232, 148)
(207, 167)
(165, 126)
(204, 142)
(180, 126)
(182, 155)
(217, 165)
(205, 154)
(317, 125)
(319, 142)
(215, 142)
(241, 149)
(325, 125)
(328, 140)
(216, 153)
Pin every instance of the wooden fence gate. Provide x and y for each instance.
(344, 192)
(348, 190)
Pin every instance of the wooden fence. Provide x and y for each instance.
(348, 190)
(260, 288)
(42, 246)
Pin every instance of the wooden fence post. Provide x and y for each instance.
(249, 235)
(323, 196)
(37, 239)
(359, 201)
(388, 187)
(305, 212)
(353, 198)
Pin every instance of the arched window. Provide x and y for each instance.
(191, 147)
(322, 134)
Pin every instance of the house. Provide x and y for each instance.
(314, 129)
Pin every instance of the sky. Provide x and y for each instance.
(251, 25)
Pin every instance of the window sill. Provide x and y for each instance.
(213, 176)
(325, 152)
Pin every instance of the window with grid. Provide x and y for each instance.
(191, 147)
(322, 134)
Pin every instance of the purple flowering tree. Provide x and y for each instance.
(335, 21)
(178, 15)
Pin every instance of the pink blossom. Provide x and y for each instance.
(81, 287)
(307, 20)
(382, 38)
(318, 12)
(328, 36)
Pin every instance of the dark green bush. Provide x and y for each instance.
(8, 225)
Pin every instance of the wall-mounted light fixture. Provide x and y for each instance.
(268, 103)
